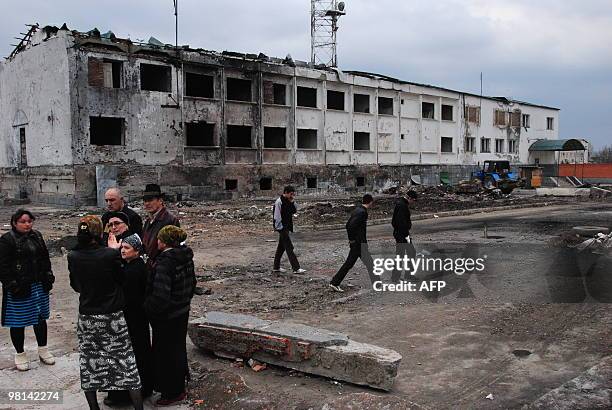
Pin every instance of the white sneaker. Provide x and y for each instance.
(279, 270)
(299, 271)
(45, 356)
(21, 362)
(336, 288)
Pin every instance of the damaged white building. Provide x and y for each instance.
(79, 111)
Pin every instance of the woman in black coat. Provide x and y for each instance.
(135, 281)
(25, 273)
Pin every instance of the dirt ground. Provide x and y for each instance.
(456, 350)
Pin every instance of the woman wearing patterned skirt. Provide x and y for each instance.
(25, 273)
(106, 357)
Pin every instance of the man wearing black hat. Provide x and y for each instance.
(116, 203)
(159, 217)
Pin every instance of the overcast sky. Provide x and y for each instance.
(550, 52)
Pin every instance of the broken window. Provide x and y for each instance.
(307, 97)
(231, 184)
(307, 139)
(199, 85)
(446, 144)
(238, 89)
(472, 114)
(361, 103)
(485, 145)
(428, 110)
(335, 100)
(274, 93)
(104, 73)
(447, 112)
(155, 78)
(385, 106)
(265, 184)
(550, 123)
(525, 120)
(311, 182)
(23, 158)
(470, 144)
(512, 146)
(360, 181)
(199, 134)
(499, 118)
(361, 141)
(275, 137)
(106, 130)
(239, 136)
(499, 145)
(515, 119)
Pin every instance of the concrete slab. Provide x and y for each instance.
(563, 191)
(296, 346)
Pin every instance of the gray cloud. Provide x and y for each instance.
(550, 52)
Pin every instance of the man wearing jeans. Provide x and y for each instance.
(284, 208)
(356, 230)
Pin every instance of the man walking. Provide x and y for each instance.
(159, 217)
(401, 229)
(283, 211)
(356, 229)
(116, 203)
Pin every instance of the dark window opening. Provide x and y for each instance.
(402, 136)
(106, 131)
(239, 136)
(360, 181)
(274, 93)
(311, 182)
(199, 134)
(275, 137)
(335, 100)
(446, 144)
(307, 97)
(428, 110)
(361, 103)
(155, 78)
(362, 141)
(307, 139)
(231, 184)
(385, 105)
(265, 184)
(104, 73)
(199, 85)
(447, 112)
(23, 159)
(238, 89)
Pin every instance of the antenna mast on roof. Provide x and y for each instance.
(323, 27)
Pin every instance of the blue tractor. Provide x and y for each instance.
(497, 174)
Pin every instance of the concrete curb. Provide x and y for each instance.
(462, 212)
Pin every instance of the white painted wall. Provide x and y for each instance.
(34, 94)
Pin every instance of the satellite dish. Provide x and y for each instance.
(341, 6)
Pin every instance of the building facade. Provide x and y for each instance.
(77, 109)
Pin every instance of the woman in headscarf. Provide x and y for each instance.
(25, 273)
(135, 272)
(118, 228)
(106, 357)
(167, 302)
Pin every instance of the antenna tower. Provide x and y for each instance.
(323, 27)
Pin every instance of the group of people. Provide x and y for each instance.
(356, 228)
(135, 284)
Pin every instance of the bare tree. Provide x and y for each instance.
(604, 155)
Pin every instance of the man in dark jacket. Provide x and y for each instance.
(159, 217)
(116, 203)
(401, 229)
(356, 230)
(170, 287)
(282, 219)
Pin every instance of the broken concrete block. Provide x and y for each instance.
(296, 346)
